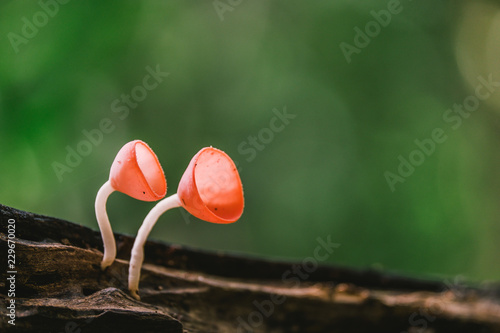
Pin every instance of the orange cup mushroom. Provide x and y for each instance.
(210, 189)
(135, 172)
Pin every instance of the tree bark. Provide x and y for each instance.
(59, 287)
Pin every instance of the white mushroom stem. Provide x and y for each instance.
(102, 219)
(137, 256)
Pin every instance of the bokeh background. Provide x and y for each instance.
(228, 69)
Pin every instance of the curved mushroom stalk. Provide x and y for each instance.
(104, 225)
(137, 256)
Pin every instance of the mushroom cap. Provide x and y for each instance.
(137, 172)
(211, 189)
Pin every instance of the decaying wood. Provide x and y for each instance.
(59, 287)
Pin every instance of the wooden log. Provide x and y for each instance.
(59, 287)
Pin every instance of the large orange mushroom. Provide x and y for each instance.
(210, 189)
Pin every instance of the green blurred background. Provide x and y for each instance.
(322, 175)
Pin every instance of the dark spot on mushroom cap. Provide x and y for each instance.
(143, 192)
(215, 208)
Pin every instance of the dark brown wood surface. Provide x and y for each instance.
(59, 287)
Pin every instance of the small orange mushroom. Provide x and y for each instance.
(210, 189)
(136, 172)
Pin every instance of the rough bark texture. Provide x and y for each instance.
(59, 287)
